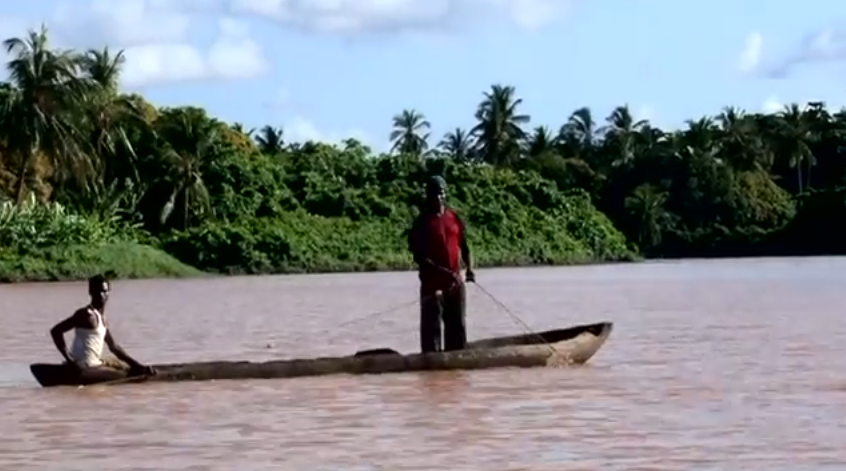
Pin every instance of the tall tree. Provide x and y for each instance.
(540, 142)
(410, 135)
(458, 144)
(37, 119)
(108, 114)
(499, 131)
(270, 140)
(621, 135)
(796, 142)
(190, 141)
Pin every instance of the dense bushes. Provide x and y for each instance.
(77, 262)
(45, 242)
(514, 218)
(28, 227)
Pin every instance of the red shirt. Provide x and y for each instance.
(437, 237)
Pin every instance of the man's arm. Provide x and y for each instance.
(58, 333)
(120, 352)
(414, 241)
(466, 257)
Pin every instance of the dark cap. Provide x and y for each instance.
(436, 183)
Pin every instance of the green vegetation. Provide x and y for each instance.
(99, 180)
(88, 244)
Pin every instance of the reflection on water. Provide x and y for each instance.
(712, 366)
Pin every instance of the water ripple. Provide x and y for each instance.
(704, 371)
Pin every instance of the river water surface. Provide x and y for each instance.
(713, 365)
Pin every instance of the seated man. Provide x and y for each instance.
(91, 332)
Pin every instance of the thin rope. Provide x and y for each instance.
(516, 318)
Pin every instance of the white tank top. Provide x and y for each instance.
(87, 348)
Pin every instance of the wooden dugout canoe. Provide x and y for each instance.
(574, 345)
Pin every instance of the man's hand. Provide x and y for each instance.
(470, 276)
(142, 370)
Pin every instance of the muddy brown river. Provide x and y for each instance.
(713, 365)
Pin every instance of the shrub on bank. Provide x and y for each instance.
(33, 226)
(45, 242)
(78, 262)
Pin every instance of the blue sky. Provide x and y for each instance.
(330, 69)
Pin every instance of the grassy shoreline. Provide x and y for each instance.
(136, 261)
(77, 262)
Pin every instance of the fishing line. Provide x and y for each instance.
(377, 313)
(389, 310)
(516, 318)
(502, 306)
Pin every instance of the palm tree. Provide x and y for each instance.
(239, 127)
(499, 130)
(540, 142)
(104, 69)
(645, 207)
(108, 115)
(579, 132)
(796, 140)
(7, 164)
(621, 135)
(270, 141)
(410, 135)
(37, 119)
(741, 142)
(458, 144)
(701, 133)
(189, 144)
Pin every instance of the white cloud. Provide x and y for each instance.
(827, 45)
(157, 64)
(772, 105)
(233, 55)
(300, 129)
(125, 24)
(750, 57)
(156, 38)
(645, 112)
(360, 16)
(535, 14)
(347, 16)
(280, 100)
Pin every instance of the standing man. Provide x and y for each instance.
(438, 243)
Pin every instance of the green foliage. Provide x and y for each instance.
(86, 166)
(78, 262)
(31, 226)
(514, 218)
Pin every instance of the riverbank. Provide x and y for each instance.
(136, 261)
(126, 260)
(294, 243)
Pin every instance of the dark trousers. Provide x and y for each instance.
(448, 308)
